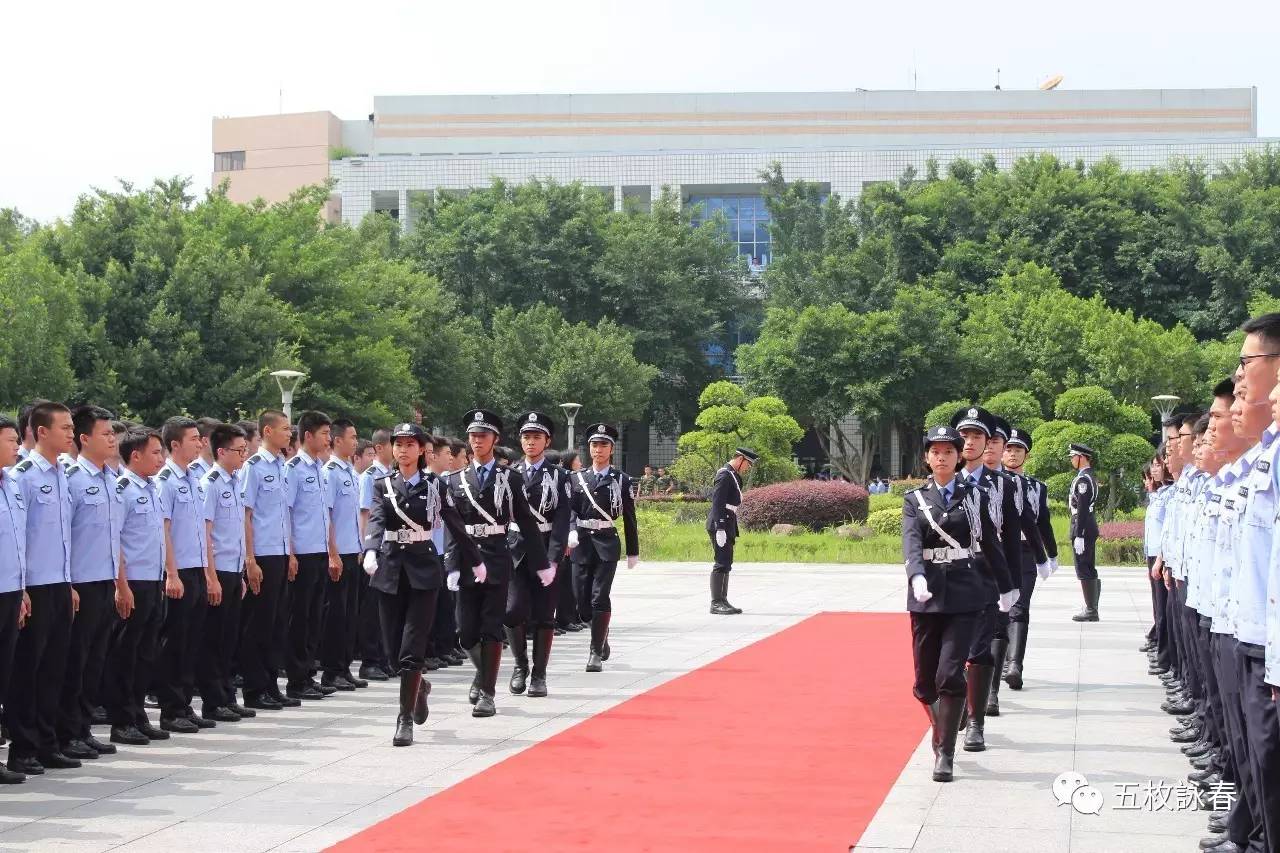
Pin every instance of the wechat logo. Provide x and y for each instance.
(1071, 787)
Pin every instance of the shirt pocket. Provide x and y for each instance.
(143, 505)
(309, 484)
(1261, 510)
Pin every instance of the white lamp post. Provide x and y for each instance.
(288, 381)
(1164, 405)
(570, 413)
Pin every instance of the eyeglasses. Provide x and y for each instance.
(241, 450)
(1245, 359)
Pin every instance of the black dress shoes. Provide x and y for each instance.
(181, 725)
(30, 766)
(151, 731)
(221, 714)
(11, 777)
(58, 761)
(129, 735)
(100, 747)
(79, 750)
(241, 710)
(309, 692)
(263, 703)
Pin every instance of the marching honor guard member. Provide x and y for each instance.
(722, 525)
(373, 658)
(1036, 500)
(953, 555)
(601, 496)
(489, 502)
(409, 573)
(531, 596)
(1084, 530)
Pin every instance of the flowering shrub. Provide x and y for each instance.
(810, 503)
(1121, 530)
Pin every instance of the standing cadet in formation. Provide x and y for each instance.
(722, 525)
(1084, 530)
(341, 594)
(1159, 490)
(1036, 500)
(489, 502)
(373, 662)
(600, 497)
(531, 594)
(13, 569)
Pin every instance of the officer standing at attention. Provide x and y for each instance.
(222, 512)
(601, 495)
(40, 660)
(141, 585)
(722, 525)
(1084, 530)
(373, 658)
(97, 511)
(341, 596)
(184, 613)
(13, 568)
(531, 598)
(946, 525)
(267, 562)
(315, 553)
(489, 502)
(202, 463)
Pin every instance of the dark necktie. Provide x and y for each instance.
(480, 472)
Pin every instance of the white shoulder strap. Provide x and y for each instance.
(928, 516)
(391, 496)
(583, 482)
(466, 489)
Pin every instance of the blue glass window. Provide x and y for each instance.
(748, 223)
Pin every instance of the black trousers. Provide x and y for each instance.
(341, 600)
(528, 601)
(215, 659)
(86, 659)
(566, 598)
(369, 632)
(939, 644)
(406, 619)
(480, 610)
(39, 667)
(1244, 821)
(723, 554)
(135, 649)
(1186, 641)
(444, 631)
(1215, 726)
(262, 614)
(1021, 610)
(1086, 563)
(1160, 609)
(175, 675)
(306, 598)
(10, 604)
(592, 582)
(1263, 738)
(984, 631)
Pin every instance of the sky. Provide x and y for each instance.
(97, 93)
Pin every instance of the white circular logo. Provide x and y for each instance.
(973, 413)
(532, 417)
(479, 416)
(600, 428)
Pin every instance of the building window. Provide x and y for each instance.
(228, 161)
(748, 223)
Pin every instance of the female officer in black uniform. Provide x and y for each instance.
(406, 504)
(949, 544)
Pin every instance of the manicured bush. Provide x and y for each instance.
(809, 503)
(901, 487)
(1121, 530)
(888, 500)
(887, 521)
(1121, 552)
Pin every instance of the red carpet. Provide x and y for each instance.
(789, 744)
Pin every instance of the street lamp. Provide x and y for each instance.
(570, 413)
(1164, 405)
(288, 381)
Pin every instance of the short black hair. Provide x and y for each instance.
(1225, 388)
(119, 428)
(567, 457)
(552, 457)
(41, 415)
(382, 435)
(86, 417)
(222, 436)
(1265, 326)
(136, 441)
(271, 417)
(174, 429)
(206, 425)
(7, 422)
(339, 427)
(457, 446)
(1201, 425)
(439, 442)
(24, 417)
(250, 428)
(312, 422)
(1171, 422)
(1189, 419)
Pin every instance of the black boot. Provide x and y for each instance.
(931, 711)
(979, 682)
(541, 654)
(520, 652)
(1092, 590)
(1017, 648)
(490, 660)
(946, 712)
(998, 650)
(420, 709)
(473, 695)
(720, 605)
(409, 680)
(599, 633)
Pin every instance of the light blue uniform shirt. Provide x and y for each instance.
(371, 474)
(262, 488)
(224, 506)
(183, 504)
(1255, 544)
(97, 511)
(1228, 542)
(142, 534)
(198, 469)
(13, 535)
(343, 495)
(43, 485)
(1154, 519)
(308, 506)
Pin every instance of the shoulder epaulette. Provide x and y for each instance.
(254, 459)
(332, 463)
(24, 465)
(122, 484)
(213, 475)
(293, 461)
(165, 473)
(74, 469)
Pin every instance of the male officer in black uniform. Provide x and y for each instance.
(489, 500)
(531, 596)
(722, 526)
(1084, 530)
(600, 495)
(1036, 498)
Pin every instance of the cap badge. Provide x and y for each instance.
(973, 413)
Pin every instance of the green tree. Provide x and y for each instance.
(1019, 408)
(729, 419)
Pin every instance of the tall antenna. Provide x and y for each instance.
(915, 78)
(280, 101)
(997, 79)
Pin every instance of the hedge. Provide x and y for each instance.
(901, 487)
(814, 504)
(887, 521)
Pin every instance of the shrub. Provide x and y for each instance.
(810, 503)
(885, 501)
(1121, 552)
(1121, 530)
(887, 521)
(901, 487)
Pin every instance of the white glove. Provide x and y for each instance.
(1053, 565)
(451, 581)
(1007, 600)
(1044, 570)
(480, 572)
(370, 562)
(1078, 543)
(631, 562)
(547, 575)
(573, 539)
(920, 589)
(721, 538)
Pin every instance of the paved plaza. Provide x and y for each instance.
(309, 777)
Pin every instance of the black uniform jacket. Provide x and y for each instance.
(603, 544)
(1039, 493)
(1084, 491)
(512, 509)
(547, 493)
(958, 586)
(1029, 530)
(418, 560)
(726, 491)
(1009, 525)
